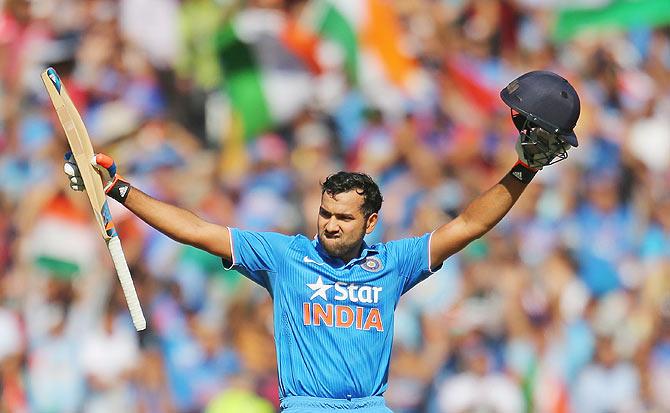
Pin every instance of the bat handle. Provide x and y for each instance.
(114, 245)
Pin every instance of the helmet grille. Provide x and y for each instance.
(540, 147)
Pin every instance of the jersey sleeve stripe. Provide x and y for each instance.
(232, 252)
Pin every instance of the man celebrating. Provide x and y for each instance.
(334, 295)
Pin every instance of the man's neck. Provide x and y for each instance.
(353, 253)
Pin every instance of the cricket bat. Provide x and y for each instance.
(81, 147)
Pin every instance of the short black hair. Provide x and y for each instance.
(342, 181)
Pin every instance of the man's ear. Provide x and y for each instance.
(371, 222)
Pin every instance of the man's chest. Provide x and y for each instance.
(360, 296)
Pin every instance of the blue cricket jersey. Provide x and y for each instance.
(333, 321)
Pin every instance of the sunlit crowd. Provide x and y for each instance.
(564, 307)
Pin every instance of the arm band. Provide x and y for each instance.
(522, 172)
(119, 191)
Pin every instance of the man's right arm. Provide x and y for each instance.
(180, 224)
(177, 223)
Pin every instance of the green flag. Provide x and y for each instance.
(243, 82)
(267, 84)
(331, 24)
(619, 14)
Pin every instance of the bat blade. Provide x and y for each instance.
(82, 149)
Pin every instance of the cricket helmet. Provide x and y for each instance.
(544, 99)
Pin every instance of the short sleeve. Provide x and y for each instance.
(412, 256)
(257, 255)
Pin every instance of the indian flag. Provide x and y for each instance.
(272, 61)
(364, 40)
(266, 81)
(368, 42)
(63, 242)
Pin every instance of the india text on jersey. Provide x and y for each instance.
(341, 315)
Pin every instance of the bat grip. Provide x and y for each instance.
(114, 245)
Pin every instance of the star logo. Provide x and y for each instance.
(319, 289)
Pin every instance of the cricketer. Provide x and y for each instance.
(334, 295)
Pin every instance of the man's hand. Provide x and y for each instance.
(523, 157)
(179, 224)
(114, 185)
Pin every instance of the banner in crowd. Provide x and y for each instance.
(619, 14)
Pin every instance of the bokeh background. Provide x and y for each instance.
(237, 110)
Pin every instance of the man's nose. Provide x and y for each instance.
(332, 225)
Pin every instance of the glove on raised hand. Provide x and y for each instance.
(536, 149)
(114, 185)
(540, 148)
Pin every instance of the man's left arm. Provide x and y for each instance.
(482, 214)
(544, 109)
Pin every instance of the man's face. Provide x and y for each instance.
(342, 225)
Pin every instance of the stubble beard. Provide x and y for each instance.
(338, 249)
(334, 248)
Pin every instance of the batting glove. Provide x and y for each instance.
(523, 157)
(536, 149)
(115, 186)
(522, 170)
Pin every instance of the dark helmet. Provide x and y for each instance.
(547, 100)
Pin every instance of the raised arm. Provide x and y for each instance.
(177, 223)
(545, 109)
(482, 214)
(180, 224)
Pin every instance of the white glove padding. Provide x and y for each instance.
(72, 171)
(103, 163)
(540, 149)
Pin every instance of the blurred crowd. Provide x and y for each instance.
(563, 307)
